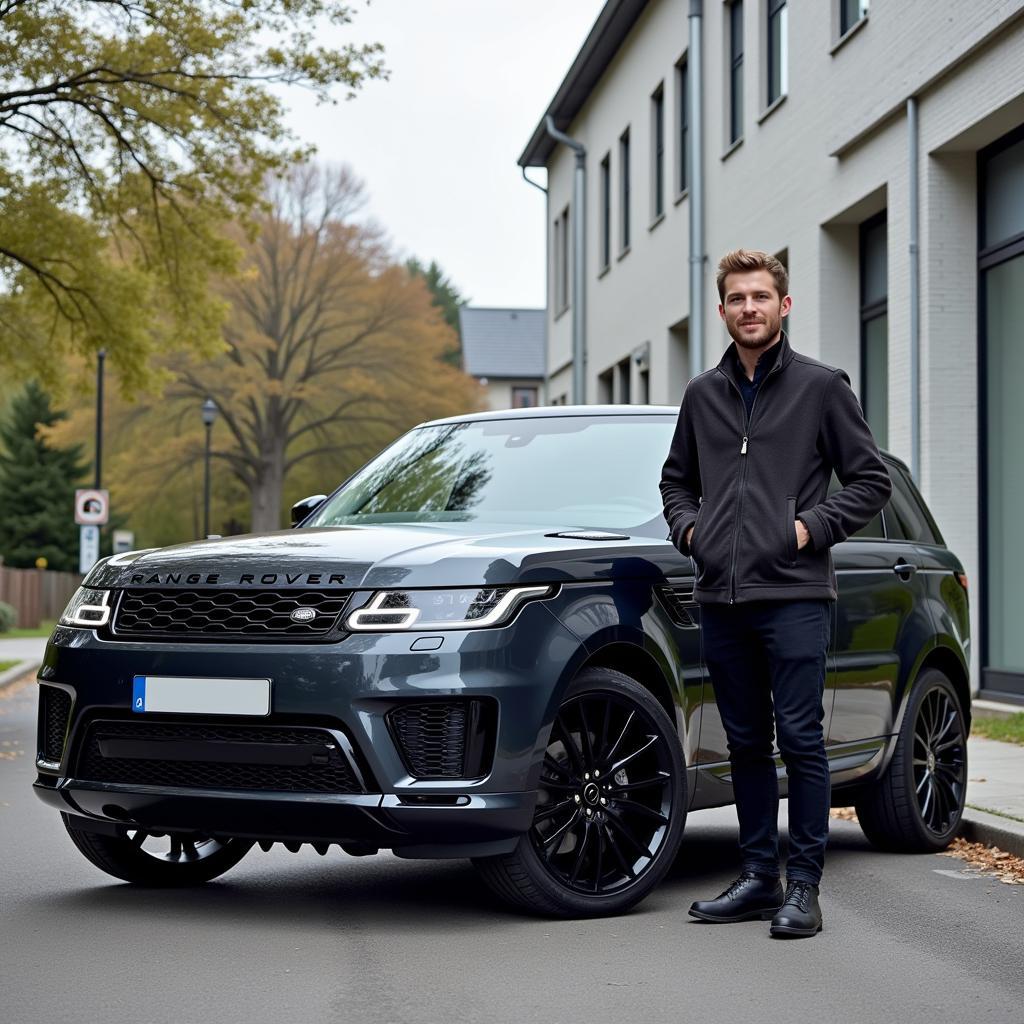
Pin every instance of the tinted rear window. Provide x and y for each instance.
(906, 517)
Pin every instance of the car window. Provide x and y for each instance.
(906, 515)
(872, 529)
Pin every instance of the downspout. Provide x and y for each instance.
(579, 296)
(696, 179)
(915, 296)
(547, 220)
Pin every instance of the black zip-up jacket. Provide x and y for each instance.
(742, 483)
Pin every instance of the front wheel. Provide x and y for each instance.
(611, 805)
(158, 859)
(917, 804)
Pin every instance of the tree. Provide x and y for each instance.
(331, 350)
(446, 298)
(131, 132)
(37, 487)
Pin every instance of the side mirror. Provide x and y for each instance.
(306, 507)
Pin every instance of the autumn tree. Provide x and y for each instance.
(331, 350)
(131, 132)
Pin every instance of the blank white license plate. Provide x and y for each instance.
(193, 695)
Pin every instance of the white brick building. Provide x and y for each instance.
(806, 152)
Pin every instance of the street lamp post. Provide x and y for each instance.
(209, 415)
(100, 357)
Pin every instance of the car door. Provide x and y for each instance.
(881, 624)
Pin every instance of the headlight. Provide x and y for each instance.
(472, 608)
(87, 608)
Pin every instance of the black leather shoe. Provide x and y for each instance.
(799, 916)
(749, 897)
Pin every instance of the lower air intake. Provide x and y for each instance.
(54, 711)
(445, 739)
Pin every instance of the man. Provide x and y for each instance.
(744, 489)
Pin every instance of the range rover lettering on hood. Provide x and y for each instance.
(267, 579)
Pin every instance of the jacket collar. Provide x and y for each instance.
(785, 355)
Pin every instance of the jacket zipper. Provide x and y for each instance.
(743, 474)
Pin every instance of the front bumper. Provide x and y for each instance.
(349, 688)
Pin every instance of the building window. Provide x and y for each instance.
(606, 210)
(874, 325)
(778, 57)
(735, 16)
(1000, 371)
(561, 288)
(850, 12)
(658, 152)
(524, 397)
(622, 395)
(624, 189)
(683, 122)
(605, 386)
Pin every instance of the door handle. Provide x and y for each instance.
(904, 570)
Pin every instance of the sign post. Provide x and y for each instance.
(92, 510)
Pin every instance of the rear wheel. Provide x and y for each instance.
(159, 859)
(918, 802)
(611, 805)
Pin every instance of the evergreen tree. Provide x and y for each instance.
(446, 298)
(37, 487)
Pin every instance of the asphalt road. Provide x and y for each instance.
(296, 936)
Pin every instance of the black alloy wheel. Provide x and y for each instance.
(158, 858)
(917, 804)
(611, 804)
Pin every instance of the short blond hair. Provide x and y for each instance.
(742, 261)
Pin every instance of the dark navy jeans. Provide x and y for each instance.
(765, 655)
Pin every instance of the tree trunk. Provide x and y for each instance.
(268, 489)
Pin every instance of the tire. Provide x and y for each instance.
(611, 805)
(917, 804)
(188, 859)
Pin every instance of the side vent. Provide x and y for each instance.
(677, 597)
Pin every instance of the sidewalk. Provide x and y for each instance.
(27, 651)
(994, 814)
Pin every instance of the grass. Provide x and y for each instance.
(5, 665)
(45, 628)
(1009, 730)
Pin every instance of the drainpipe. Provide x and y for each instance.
(915, 296)
(696, 178)
(547, 220)
(579, 297)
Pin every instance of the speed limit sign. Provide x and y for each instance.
(92, 507)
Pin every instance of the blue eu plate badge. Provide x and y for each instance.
(139, 693)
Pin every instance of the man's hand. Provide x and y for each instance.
(689, 534)
(803, 535)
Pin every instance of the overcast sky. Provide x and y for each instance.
(436, 145)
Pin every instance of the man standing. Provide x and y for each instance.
(744, 489)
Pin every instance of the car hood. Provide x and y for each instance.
(390, 555)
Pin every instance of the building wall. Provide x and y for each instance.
(808, 171)
(499, 391)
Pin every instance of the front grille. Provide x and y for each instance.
(327, 771)
(54, 710)
(228, 614)
(444, 739)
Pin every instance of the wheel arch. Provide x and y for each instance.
(638, 663)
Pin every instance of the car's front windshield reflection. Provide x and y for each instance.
(584, 471)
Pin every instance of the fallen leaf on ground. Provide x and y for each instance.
(843, 813)
(990, 860)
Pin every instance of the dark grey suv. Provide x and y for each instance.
(481, 645)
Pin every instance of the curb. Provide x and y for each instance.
(993, 830)
(23, 668)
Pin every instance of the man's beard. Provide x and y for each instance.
(763, 338)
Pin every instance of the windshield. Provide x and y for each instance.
(576, 471)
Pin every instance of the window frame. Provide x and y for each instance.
(734, 72)
(682, 125)
(658, 153)
(624, 192)
(606, 211)
(776, 12)
(875, 309)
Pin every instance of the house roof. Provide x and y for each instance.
(503, 342)
(613, 24)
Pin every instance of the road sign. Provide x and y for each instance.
(88, 547)
(124, 540)
(92, 507)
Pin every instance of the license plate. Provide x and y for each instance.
(193, 695)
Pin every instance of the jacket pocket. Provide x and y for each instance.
(791, 528)
(696, 524)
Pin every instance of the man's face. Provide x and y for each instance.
(752, 309)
